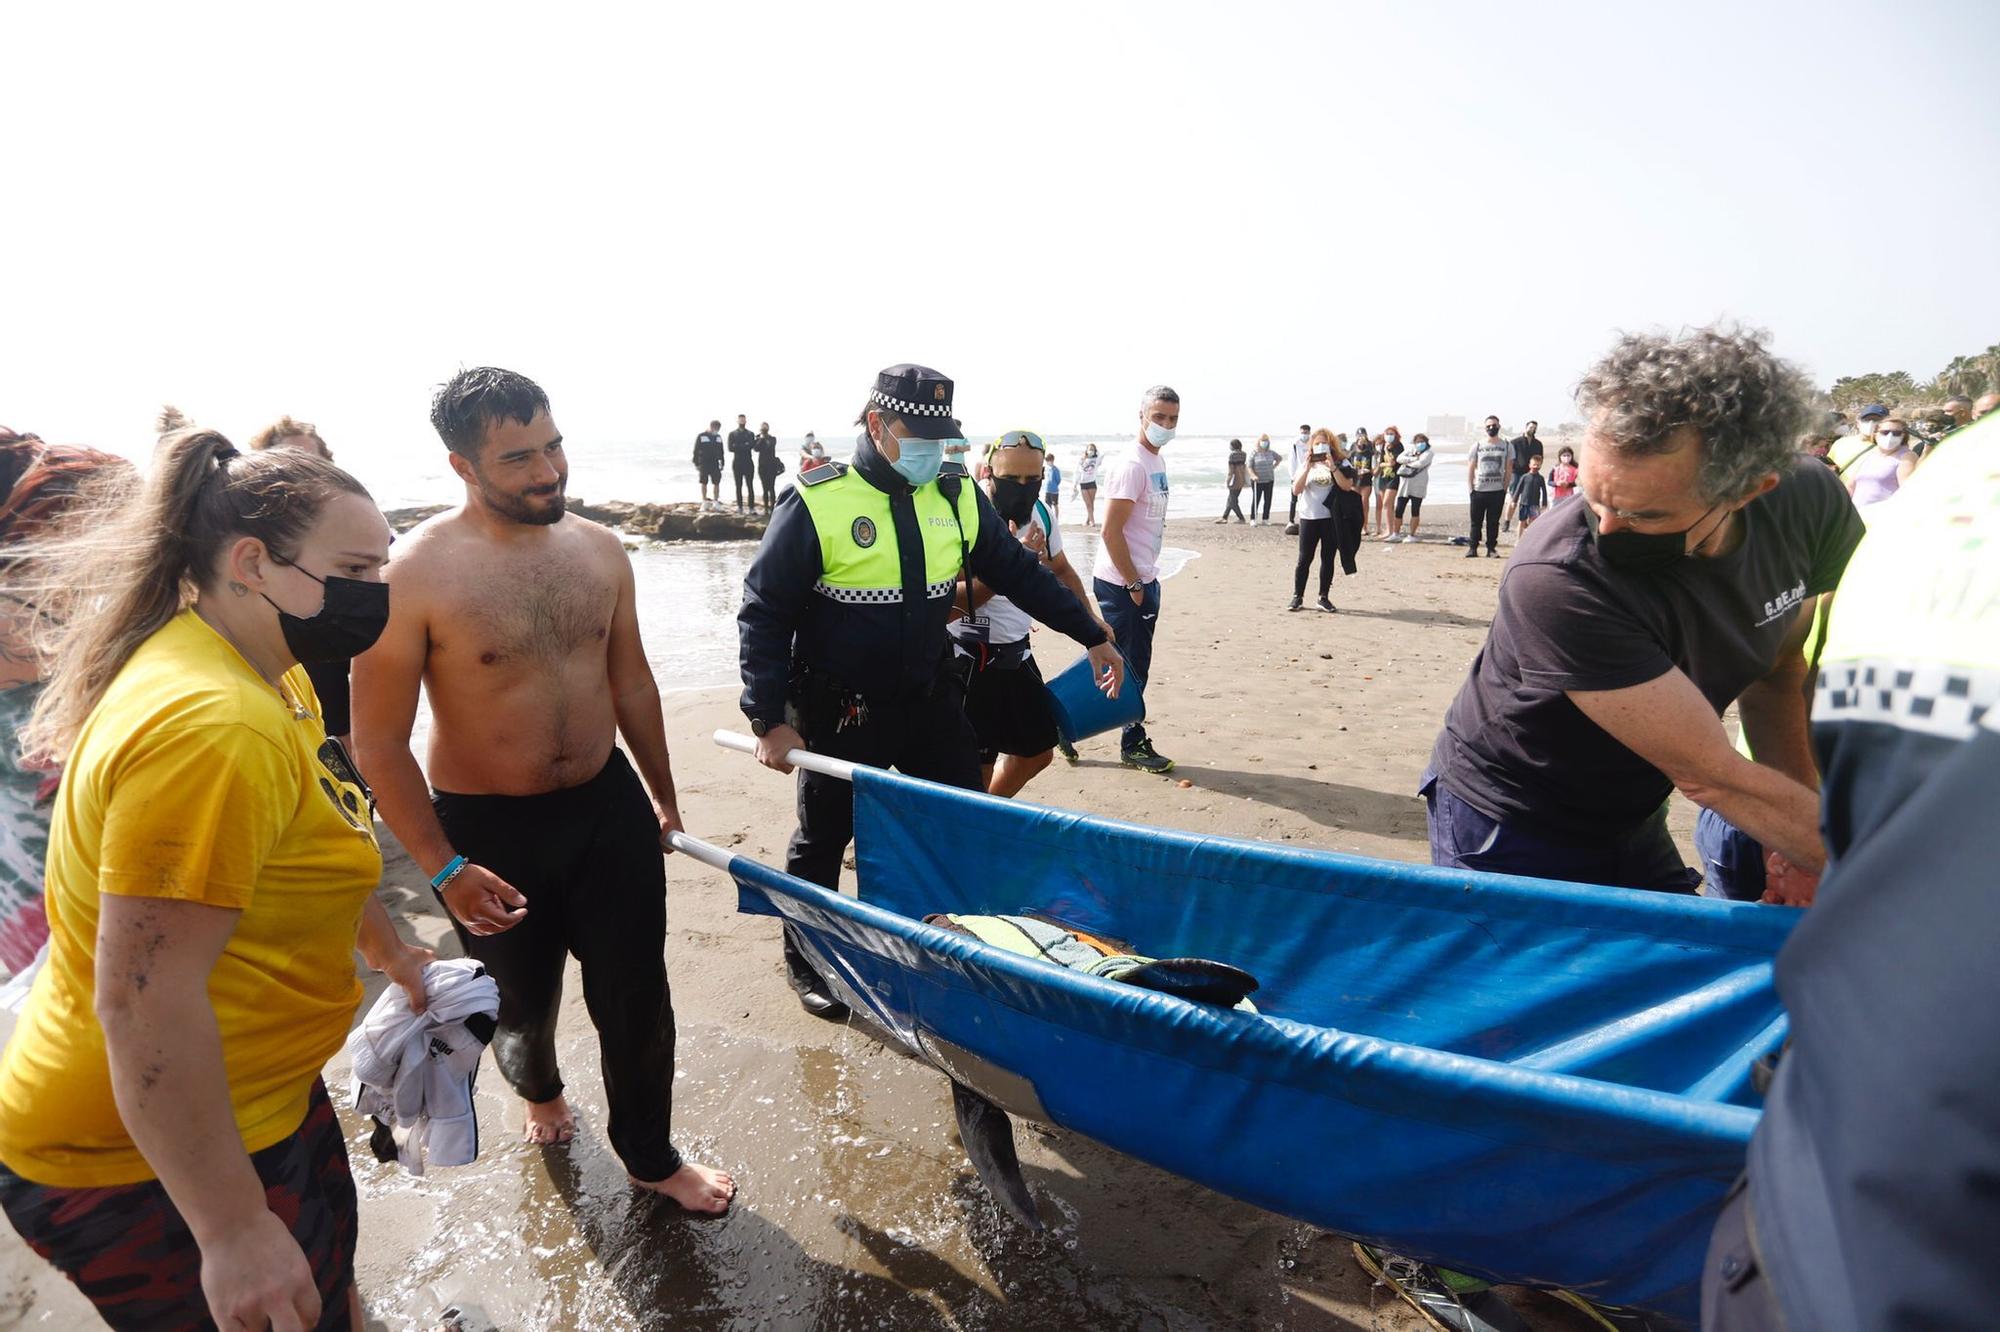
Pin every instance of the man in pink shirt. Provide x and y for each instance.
(1135, 527)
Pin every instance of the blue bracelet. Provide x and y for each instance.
(448, 873)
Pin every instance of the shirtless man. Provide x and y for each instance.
(520, 623)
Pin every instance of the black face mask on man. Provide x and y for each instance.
(350, 619)
(1014, 498)
(1492, 429)
(1645, 552)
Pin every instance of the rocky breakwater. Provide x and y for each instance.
(655, 522)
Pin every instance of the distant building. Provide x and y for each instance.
(1445, 427)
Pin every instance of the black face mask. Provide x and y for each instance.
(1643, 552)
(1014, 498)
(1492, 430)
(350, 619)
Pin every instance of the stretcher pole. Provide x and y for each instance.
(798, 758)
(708, 853)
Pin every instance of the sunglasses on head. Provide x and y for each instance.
(1018, 439)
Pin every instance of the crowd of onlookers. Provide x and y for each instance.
(754, 463)
(1874, 453)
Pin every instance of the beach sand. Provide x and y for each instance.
(857, 1208)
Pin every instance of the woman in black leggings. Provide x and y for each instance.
(1319, 488)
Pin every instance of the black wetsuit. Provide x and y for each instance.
(769, 468)
(588, 860)
(743, 464)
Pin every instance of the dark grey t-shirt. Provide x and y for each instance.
(1517, 749)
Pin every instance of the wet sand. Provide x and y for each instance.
(857, 1208)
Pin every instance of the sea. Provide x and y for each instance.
(689, 591)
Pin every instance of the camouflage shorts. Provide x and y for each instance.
(130, 1253)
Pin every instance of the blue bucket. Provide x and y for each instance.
(1081, 709)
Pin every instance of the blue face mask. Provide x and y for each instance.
(918, 460)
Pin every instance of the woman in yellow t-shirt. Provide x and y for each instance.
(165, 1139)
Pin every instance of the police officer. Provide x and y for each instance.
(842, 630)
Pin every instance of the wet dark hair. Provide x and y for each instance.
(471, 400)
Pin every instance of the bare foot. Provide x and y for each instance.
(697, 1188)
(549, 1122)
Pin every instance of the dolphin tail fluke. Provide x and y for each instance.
(988, 1136)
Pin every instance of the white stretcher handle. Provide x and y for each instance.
(798, 758)
(694, 848)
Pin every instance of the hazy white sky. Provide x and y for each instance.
(1338, 212)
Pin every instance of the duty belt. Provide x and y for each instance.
(985, 657)
(815, 692)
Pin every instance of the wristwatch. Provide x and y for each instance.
(1134, 585)
(759, 727)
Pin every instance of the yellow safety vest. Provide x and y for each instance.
(859, 559)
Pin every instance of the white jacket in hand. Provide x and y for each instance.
(414, 1072)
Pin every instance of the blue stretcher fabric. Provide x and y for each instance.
(1539, 1082)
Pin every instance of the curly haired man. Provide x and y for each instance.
(1629, 623)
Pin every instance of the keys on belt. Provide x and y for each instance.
(852, 711)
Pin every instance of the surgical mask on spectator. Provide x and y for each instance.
(1890, 437)
(1159, 436)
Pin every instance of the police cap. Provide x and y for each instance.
(921, 397)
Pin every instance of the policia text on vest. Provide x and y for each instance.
(842, 628)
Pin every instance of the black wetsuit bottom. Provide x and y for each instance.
(588, 860)
(746, 488)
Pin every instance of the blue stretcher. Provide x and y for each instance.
(1537, 1082)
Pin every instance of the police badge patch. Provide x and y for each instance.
(864, 532)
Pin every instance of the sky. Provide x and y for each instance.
(1347, 214)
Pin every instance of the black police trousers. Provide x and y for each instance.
(928, 738)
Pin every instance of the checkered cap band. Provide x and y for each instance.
(1929, 698)
(880, 398)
